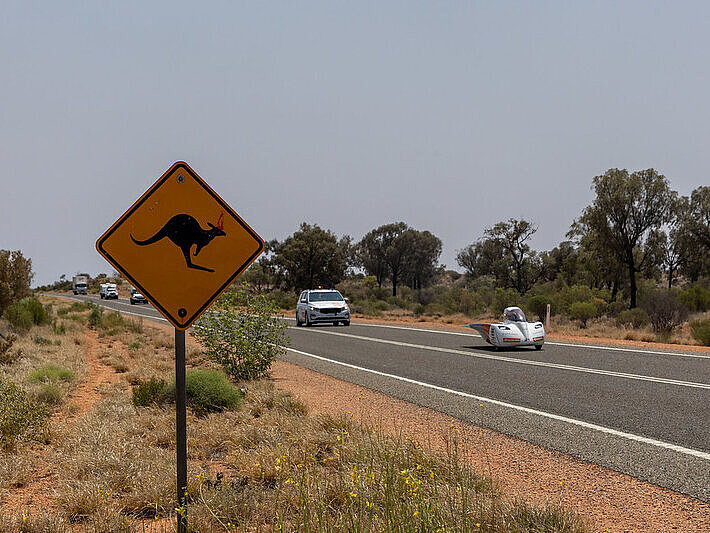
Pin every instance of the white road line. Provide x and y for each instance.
(580, 423)
(625, 375)
(555, 343)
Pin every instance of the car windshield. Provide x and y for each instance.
(330, 296)
(515, 315)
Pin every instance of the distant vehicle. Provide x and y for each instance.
(137, 297)
(514, 330)
(108, 291)
(80, 284)
(321, 305)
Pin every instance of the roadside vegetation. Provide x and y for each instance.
(257, 459)
(619, 275)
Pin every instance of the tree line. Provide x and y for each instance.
(636, 226)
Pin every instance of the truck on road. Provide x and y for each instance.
(80, 284)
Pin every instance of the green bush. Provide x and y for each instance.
(20, 417)
(665, 311)
(537, 306)
(59, 328)
(566, 296)
(50, 394)
(282, 299)
(95, 316)
(79, 306)
(154, 391)
(582, 311)
(40, 315)
(242, 333)
(695, 298)
(614, 308)
(700, 330)
(210, 391)
(42, 341)
(503, 298)
(50, 373)
(636, 318)
(206, 391)
(19, 317)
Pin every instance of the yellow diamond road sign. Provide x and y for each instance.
(180, 245)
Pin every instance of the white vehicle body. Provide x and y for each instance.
(80, 284)
(108, 291)
(514, 330)
(322, 305)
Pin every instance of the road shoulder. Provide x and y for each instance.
(610, 500)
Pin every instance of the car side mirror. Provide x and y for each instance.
(346, 299)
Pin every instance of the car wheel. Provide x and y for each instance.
(298, 321)
(133, 303)
(308, 321)
(538, 346)
(346, 322)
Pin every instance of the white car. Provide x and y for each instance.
(322, 305)
(514, 330)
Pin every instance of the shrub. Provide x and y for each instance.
(283, 300)
(5, 354)
(50, 373)
(695, 298)
(210, 391)
(42, 341)
(566, 296)
(95, 316)
(20, 417)
(537, 306)
(59, 328)
(636, 318)
(79, 306)
(582, 311)
(19, 317)
(665, 311)
(153, 391)
(242, 333)
(503, 298)
(39, 313)
(49, 394)
(614, 308)
(700, 330)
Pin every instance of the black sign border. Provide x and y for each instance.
(170, 172)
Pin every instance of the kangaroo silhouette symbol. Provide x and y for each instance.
(185, 232)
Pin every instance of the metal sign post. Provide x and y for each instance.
(155, 245)
(181, 429)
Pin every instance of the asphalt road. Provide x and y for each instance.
(644, 413)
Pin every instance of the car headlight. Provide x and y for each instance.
(312, 307)
(506, 328)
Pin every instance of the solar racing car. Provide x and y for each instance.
(514, 330)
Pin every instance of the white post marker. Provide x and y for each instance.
(547, 320)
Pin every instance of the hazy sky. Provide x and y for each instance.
(450, 116)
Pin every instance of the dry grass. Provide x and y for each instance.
(267, 466)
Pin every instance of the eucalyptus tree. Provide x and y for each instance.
(627, 209)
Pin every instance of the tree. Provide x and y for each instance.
(697, 218)
(310, 257)
(15, 277)
(371, 252)
(626, 209)
(424, 250)
(512, 236)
